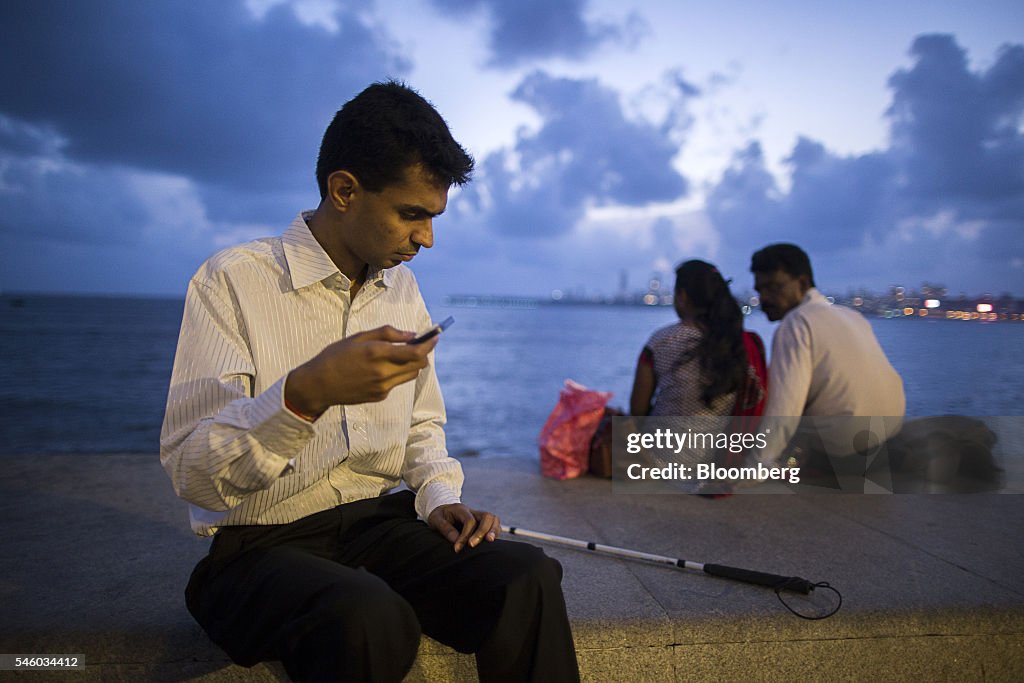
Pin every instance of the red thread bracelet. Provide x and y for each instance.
(298, 413)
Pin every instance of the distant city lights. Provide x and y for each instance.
(929, 302)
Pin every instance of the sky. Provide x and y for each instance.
(613, 139)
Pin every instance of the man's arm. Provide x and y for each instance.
(789, 382)
(220, 443)
(435, 476)
(428, 469)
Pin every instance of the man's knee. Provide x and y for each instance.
(521, 570)
(374, 614)
(532, 638)
(525, 564)
(369, 634)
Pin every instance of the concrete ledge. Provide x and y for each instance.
(96, 551)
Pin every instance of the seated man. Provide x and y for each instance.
(295, 406)
(825, 363)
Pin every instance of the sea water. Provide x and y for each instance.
(90, 374)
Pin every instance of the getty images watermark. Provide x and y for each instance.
(677, 448)
(878, 454)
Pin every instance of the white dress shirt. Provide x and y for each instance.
(826, 361)
(233, 450)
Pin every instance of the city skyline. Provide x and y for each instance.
(930, 300)
(740, 288)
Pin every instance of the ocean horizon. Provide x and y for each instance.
(89, 374)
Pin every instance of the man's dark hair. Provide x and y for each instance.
(382, 131)
(788, 258)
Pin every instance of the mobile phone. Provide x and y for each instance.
(433, 331)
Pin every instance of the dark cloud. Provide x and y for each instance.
(20, 139)
(949, 189)
(43, 196)
(586, 152)
(957, 133)
(136, 137)
(684, 86)
(679, 118)
(69, 226)
(204, 90)
(746, 201)
(588, 261)
(836, 198)
(526, 30)
(832, 201)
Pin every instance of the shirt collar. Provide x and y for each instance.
(814, 295)
(308, 263)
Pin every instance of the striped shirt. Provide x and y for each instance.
(234, 451)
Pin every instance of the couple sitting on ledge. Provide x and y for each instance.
(825, 362)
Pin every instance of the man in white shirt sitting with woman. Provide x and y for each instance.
(826, 366)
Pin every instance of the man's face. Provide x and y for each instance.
(390, 226)
(780, 292)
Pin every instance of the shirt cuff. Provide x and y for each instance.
(432, 496)
(278, 430)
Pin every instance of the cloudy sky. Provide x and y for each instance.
(136, 138)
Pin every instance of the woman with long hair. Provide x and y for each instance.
(705, 364)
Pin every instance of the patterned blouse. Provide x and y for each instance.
(678, 385)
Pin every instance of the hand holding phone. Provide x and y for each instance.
(433, 331)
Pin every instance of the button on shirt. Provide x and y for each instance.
(234, 451)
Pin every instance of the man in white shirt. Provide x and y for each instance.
(826, 364)
(296, 405)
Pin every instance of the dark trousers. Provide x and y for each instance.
(344, 594)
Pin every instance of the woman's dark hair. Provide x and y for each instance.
(382, 131)
(723, 357)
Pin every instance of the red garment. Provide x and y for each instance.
(754, 393)
(750, 398)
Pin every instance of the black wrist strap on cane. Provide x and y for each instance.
(820, 584)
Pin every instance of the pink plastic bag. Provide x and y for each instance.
(565, 437)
